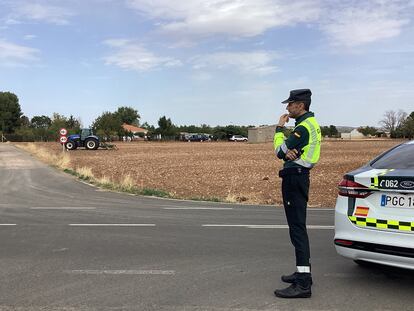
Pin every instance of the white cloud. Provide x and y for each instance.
(42, 12)
(132, 56)
(346, 23)
(16, 55)
(356, 23)
(30, 37)
(228, 17)
(258, 62)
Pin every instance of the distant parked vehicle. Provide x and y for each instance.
(237, 138)
(199, 137)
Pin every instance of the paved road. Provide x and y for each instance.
(65, 245)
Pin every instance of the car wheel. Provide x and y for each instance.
(91, 144)
(70, 145)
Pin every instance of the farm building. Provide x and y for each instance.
(136, 131)
(354, 134)
(261, 134)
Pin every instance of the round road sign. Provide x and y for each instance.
(63, 131)
(63, 139)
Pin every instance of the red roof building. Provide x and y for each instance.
(134, 129)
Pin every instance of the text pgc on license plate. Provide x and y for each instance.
(396, 200)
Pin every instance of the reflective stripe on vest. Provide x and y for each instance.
(312, 150)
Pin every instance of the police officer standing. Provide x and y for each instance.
(300, 152)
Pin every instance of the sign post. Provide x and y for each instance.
(63, 139)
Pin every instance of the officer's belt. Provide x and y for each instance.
(293, 171)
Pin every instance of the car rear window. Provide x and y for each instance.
(398, 158)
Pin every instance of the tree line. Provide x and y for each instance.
(395, 124)
(398, 123)
(18, 127)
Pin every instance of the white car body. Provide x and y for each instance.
(374, 213)
(238, 138)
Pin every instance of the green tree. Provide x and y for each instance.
(325, 131)
(108, 124)
(25, 133)
(219, 132)
(40, 122)
(73, 124)
(10, 112)
(24, 121)
(58, 121)
(206, 129)
(40, 125)
(368, 130)
(225, 132)
(333, 131)
(330, 131)
(165, 127)
(128, 115)
(408, 126)
(146, 125)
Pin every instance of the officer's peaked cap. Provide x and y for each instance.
(301, 95)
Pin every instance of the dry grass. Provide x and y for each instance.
(85, 173)
(127, 183)
(231, 198)
(232, 172)
(105, 182)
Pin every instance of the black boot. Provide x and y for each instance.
(301, 288)
(291, 278)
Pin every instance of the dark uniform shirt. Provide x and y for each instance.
(298, 139)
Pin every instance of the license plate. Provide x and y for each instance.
(404, 201)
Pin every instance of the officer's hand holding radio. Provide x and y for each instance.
(284, 118)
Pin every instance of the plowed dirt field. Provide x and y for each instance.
(236, 172)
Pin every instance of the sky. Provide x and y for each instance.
(215, 62)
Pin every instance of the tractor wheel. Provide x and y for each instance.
(91, 144)
(70, 145)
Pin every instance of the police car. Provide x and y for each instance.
(374, 213)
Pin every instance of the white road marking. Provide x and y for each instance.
(269, 226)
(211, 225)
(112, 225)
(64, 208)
(200, 208)
(272, 208)
(119, 272)
(58, 250)
(8, 224)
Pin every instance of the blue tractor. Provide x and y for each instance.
(86, 139)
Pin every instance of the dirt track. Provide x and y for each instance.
(237, 172)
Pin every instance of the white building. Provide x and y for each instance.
(355, 134)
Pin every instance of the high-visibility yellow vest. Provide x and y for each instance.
(311, 152)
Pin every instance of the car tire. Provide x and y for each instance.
(70, 145)
(91, 144)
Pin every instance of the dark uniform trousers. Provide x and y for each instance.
(295, 191)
